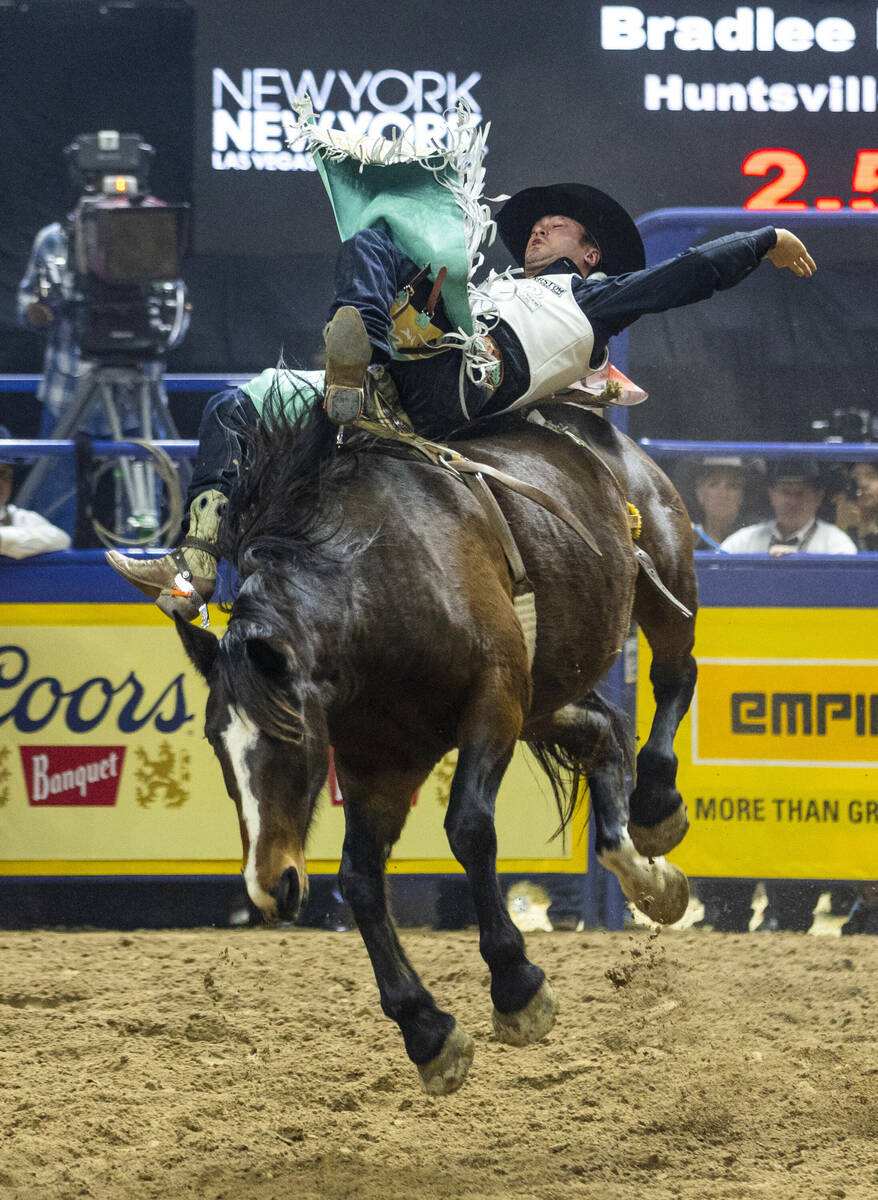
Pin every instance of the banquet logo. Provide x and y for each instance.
(72, 776)
(252, 109)
(30, 704)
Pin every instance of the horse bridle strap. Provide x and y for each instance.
(467, 467)
(452, 460)
(644, 560)
(487, 499)
(523, 599)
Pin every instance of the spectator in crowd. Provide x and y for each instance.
(859, 515)
(795, 493)
(23, 533)
(719, 499)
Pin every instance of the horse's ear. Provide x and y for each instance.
(268, 656)
(199, 644)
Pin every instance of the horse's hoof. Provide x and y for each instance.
(445, 1073)
(654, 840)
(656, 887)
(665, 904)
(530, 1023)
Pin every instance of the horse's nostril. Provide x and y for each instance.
(286, 894)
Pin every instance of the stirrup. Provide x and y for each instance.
(381, 404)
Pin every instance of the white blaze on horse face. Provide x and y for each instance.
(240, 737)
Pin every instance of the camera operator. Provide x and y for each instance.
(107, 170)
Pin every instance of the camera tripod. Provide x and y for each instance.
(135, 391)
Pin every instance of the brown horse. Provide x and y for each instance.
(376, 615)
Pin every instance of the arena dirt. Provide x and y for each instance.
(256, 1064)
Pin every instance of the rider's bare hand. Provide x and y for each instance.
(790, 252)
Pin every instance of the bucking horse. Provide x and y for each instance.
(376, 614)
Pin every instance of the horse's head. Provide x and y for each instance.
(267, 728)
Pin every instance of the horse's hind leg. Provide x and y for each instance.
(591, 735)
(524, 1007)
(375, 810)
(658, 814)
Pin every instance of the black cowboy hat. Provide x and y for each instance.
(796, 470)
(606, 220)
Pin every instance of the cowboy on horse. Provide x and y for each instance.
(455, 352)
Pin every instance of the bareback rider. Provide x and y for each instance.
(584, 281)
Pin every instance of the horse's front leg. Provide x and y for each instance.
(374, 816)
(658, 815)
(524, 1006)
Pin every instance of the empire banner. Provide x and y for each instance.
(778, 754)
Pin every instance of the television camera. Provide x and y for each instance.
(118, 285)
(124, 293)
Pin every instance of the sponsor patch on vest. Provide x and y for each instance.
(549, 284)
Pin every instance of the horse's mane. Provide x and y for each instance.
(253, 667)
(284, 506)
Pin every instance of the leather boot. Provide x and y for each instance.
(348, 354)
(183, 581)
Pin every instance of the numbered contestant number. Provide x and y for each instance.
(792, 171)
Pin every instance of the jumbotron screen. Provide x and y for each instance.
(759, 106)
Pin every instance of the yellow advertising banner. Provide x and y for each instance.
(779, 752)
(104, 768)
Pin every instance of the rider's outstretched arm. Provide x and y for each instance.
(613, 304)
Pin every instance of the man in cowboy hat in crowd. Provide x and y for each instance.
(795, 492)
(584, 281)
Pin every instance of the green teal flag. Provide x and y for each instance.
(421, 216)
(429, 201)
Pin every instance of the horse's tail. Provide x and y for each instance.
(276, 510)
(567, 767)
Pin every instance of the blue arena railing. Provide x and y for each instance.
(821, 451)
(174, 382)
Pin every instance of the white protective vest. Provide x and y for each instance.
(554, 332)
